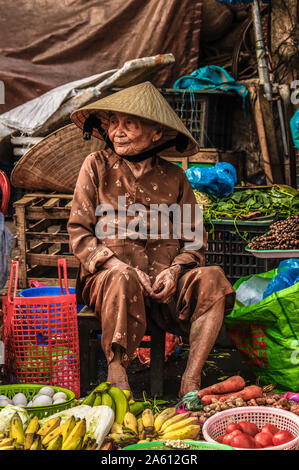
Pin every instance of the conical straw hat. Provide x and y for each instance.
(144, 101)
(53, 164)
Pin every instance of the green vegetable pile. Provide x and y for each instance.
(279, 200)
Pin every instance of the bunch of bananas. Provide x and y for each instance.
(166, 425)
(119, 400)
(53, 435)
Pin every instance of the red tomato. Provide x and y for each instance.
(248, 428)
(281, 437)
(270, 428)
(232, 427)
(243, 441)
(228, 437)
(220, 439)
(263, 439)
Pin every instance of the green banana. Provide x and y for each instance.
(121, 403)
(107, 400)
(98, 399)
(137, 407)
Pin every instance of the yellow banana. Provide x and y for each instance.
(78, 431)
(117, 428)
(148, 420)
(130, 422)
(92, 445)
(56, 443)
(128, 395)
(28, 441)
(180, 424)
(187, 432)
(175, 419)
(140, 428)
(8, 441)
(32, 426)
(163, 416)
(16, 429)
(37, 444)
(49, 426)
(64, 429)
(121, 403)
(74, 445)
(7, 448)
(2, 435)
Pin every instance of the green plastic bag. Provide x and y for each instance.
(267, 333)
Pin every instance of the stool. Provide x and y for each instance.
(88, 329)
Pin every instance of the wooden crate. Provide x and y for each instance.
(42, 238)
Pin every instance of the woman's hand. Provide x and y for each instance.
(143, 278)
(166, 283)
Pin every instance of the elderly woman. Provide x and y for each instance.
(119, 274)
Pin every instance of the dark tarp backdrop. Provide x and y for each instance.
(44, 45)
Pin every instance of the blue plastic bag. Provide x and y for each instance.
(218, 180)
(294, 125)
(287, 275)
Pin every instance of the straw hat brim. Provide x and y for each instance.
(53, 164)
(143, 101)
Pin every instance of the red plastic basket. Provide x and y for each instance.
(41, 336)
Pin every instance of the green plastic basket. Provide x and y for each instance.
(194, 445)
(30, 390)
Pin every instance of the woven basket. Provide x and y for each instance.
(215, 426)
(53, 164)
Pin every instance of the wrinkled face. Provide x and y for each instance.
(131, 135)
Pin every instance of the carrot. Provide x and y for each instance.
(252, 391)
(232, 384)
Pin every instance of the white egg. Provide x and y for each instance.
(58, 400)
(29, 403)
(4, 402)
(60, 395)
(19, 399)
(42, 400)
(3, 397)
(46, 391)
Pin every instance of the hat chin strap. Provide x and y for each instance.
(180, 142)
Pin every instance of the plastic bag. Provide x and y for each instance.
(287, 276)
(267, 333)
(251, 291)
(218, 180)
(294, 125)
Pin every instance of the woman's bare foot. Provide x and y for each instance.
(188, 384)
(117, 376)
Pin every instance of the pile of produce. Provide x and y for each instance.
(246, 435)
(281, 200)
(45, 396)
(232, 393)
(78, 428)
(283, 235)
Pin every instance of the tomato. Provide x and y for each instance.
(232, 427)
(220, 439)
(248, 428)
(263, 439)
(243, 441)
(228, 437)
(270, 428)
(281, 437)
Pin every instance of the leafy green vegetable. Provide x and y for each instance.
(278, 199)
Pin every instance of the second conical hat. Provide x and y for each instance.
(144, 101)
